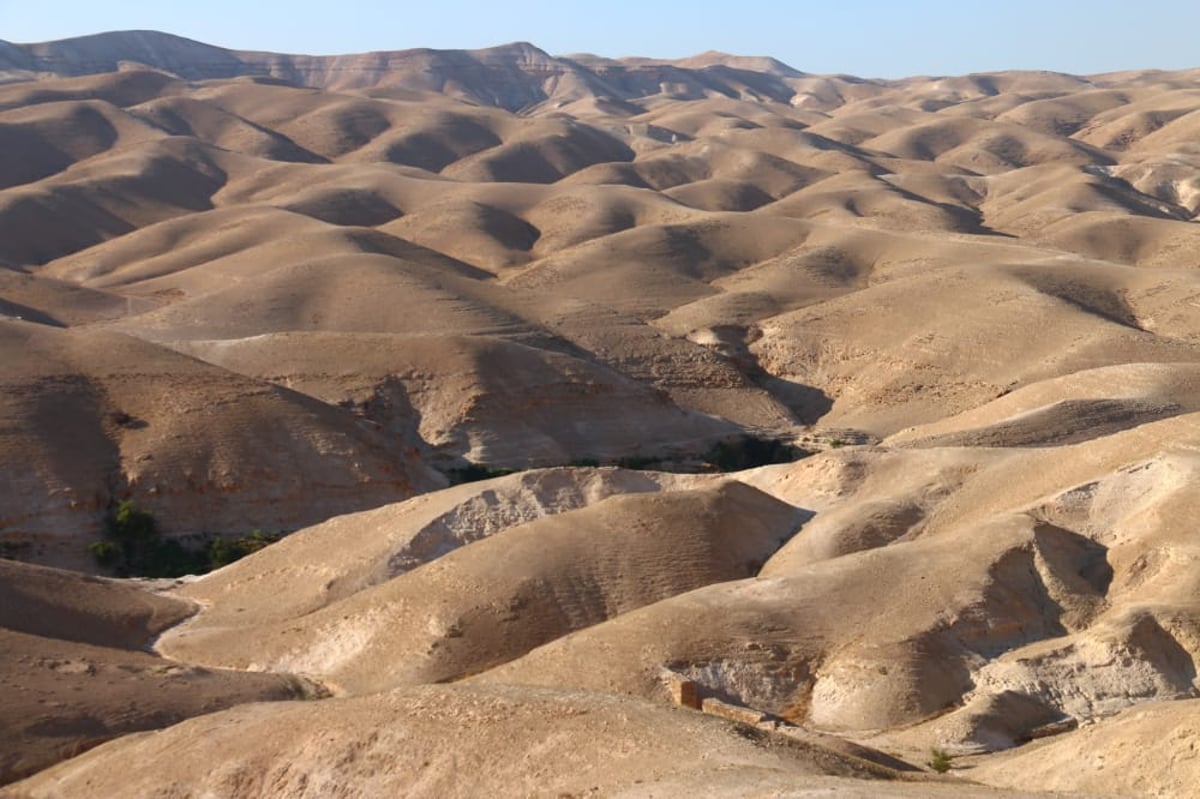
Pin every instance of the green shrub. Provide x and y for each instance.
(638, 461)
(106, 553)
(131, 537)
(585, 462)
(747, 452)
(133, 547)
(15, 550)
(129, 524)
(224, 551)
(939, 761)
(474, 472)
(170, 558)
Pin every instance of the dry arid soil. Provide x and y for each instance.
(309, 295)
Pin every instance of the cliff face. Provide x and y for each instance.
(89, 418)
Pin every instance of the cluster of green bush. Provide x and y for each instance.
(747, 452)
(733, 455)
(474, 472)
(134, 547)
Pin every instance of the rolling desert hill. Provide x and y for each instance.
(594, 427)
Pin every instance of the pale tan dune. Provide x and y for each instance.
(433, 140)
(508, 741)
(984, 148)
(1177, 135)
(306, 572)
(483, 235)
(172, 248)
(1066, 115)
(327, 125)
(857, 198)
(495, 599)
(544, 153)
(1083, 405)
(849, 127)
(213, 251)
(673, 262)
(106, 197)
(65, 697)
(368, 292)
(119, 88)
(1034, 200)
(73, 607)
(1137, 241)
(720, 195)
(184, 116)
(51, 137)
(569, 215)
(44, 299)
(904, 377)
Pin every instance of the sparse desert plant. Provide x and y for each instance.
(308, 690)
(939, 760)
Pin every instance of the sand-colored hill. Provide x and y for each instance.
(959, 574)
(75, 671)
(397, 742)
(94, 417)
(303, 573)
(495, 599)
(258, 290)
(1146, 751)
(553, 408)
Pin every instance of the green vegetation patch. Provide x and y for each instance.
(133, 546)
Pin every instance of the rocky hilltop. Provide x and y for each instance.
(517, 77)
(753, 431)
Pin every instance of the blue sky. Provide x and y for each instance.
(871, 38)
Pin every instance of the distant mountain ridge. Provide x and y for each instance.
(514, 76)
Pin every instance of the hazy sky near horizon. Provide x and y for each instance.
(870, 38)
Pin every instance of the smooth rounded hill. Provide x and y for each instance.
(396, 742)
(75, 674)
(495, 599)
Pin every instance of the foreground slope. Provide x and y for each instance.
(76, 674)
(506, 741)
